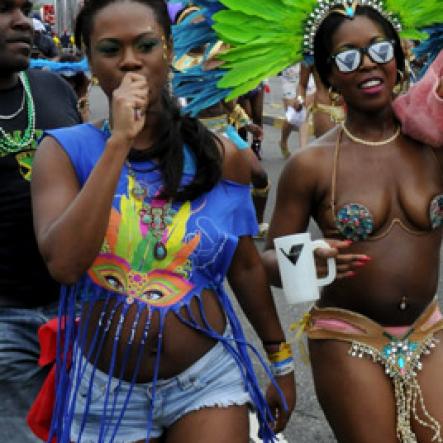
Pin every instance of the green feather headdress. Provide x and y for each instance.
(267, 36)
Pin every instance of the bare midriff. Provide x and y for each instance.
(402, 265)
(182, 345)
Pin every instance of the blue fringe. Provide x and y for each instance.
(72, 345)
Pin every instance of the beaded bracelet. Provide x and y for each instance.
(282, 361)
(263, 192)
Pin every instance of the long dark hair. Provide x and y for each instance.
(174, 129)
(323, 41)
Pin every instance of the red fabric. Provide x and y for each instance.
(420, 110)
(40, 415)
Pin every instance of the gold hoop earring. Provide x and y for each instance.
(402, 83)
(165, 49)
(334, 96)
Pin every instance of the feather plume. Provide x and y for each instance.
(267, 36)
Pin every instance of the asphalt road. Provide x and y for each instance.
(307, 425)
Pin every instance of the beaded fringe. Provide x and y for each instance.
(401, 361)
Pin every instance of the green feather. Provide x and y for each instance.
(269, 10)
(266, 36)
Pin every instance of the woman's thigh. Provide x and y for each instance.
(354, 393)
(430, 380)
(214, 424)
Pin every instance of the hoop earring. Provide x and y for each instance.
(334, 96)
(165, 49)
(84, 102)
(402, 83)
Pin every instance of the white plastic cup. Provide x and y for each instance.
(295, 255)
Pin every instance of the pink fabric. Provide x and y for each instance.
(420, 110)
(331, 324)
(336, 325)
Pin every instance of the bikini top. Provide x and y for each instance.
(355, 222)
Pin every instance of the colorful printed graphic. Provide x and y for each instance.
(26, 157)
(126, 263)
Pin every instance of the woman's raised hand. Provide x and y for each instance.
(129, 105)
(347, 264)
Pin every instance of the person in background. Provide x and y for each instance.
(30, 102)
(65, 39)
(44, 46)
(225, 118)
(252, 103)
(290, 78)
(80, 82)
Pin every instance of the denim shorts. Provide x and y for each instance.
(212, 381)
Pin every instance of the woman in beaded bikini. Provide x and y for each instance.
(377, 195)
(141, 219)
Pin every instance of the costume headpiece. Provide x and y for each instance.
(344, 7)
(267, 36)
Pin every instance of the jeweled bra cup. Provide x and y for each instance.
(355, 222)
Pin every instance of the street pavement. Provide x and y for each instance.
(307, 424)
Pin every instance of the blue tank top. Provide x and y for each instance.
(157, 255)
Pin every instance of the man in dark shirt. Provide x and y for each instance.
(30, 102)
(44, 45)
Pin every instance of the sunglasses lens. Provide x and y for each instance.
(381, 52)
(348, 61)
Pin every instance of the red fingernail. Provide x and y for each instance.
(366, 258)
(351, 274)
(348, 242)
(359, 264)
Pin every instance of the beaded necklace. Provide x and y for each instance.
(10, 145)
(156, 214)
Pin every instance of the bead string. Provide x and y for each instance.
(8, 144)
(20, 109)
(156, 215)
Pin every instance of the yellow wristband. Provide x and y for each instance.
(284, 353)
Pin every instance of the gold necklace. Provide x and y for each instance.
(368, 142)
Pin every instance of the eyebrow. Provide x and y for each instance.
(149, 33)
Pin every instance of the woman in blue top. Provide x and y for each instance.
(141, 219)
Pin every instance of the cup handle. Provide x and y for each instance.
(332, 271)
